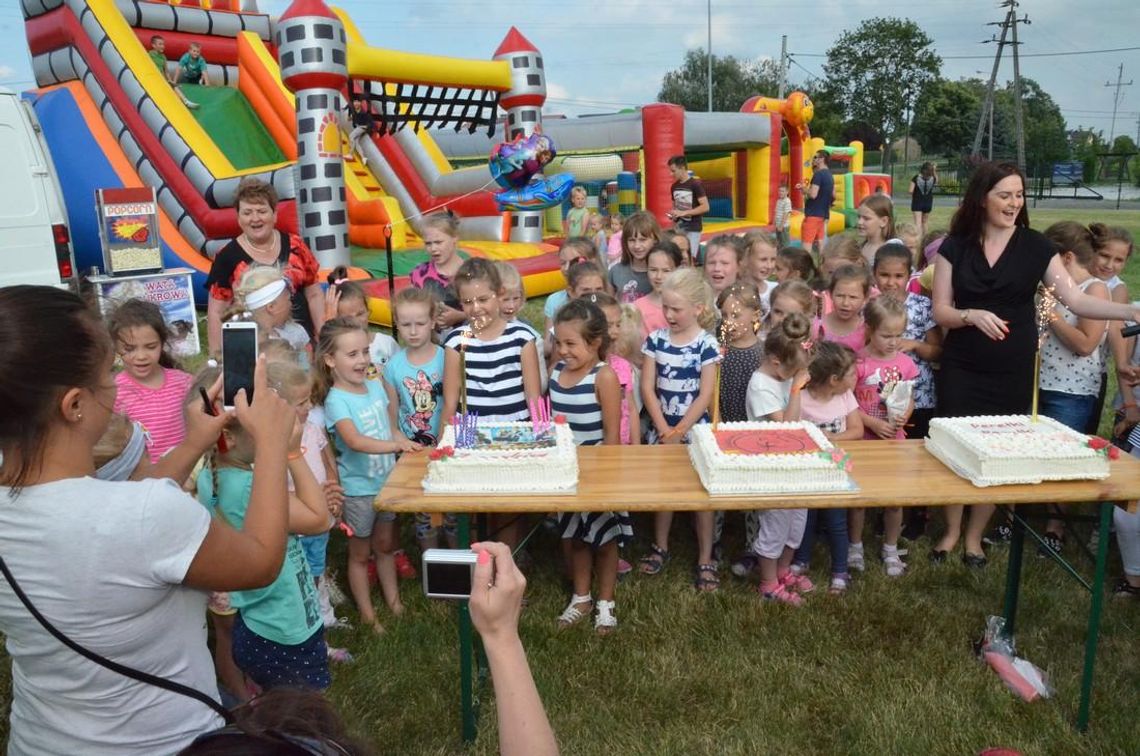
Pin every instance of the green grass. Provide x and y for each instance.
(887, 668)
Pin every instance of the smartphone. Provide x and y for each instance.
(239, 357)
(448, 573)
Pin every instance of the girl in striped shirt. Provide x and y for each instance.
(586, 391)
(151, 387)
(677, 380)
(501, 373)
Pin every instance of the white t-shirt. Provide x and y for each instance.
(104, 562)
(766, 395)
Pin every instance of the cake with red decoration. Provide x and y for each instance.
(764, 459)
(521, 458)
(995, 450)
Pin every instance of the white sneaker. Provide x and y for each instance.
(855, 558)
(894, 566)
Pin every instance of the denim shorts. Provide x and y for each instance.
(1071, 410)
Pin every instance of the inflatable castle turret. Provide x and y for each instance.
(312, 53)
(523, 103)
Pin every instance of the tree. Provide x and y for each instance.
(1046, 139)
(734, 81)
(827, 123)
(946, 116)
(882, 68)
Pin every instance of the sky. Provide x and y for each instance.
(604, 55)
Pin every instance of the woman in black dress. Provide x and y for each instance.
(985, 281)
(922, 195)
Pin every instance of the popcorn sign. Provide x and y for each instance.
(129, 231)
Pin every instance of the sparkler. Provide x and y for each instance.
(1046, 314)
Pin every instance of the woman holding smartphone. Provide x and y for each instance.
(120, 568)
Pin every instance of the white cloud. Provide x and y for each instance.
(7, 72)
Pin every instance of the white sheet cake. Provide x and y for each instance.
(507, 458)
(763, 458)
(994, 450)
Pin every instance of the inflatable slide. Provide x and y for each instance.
(111, 119)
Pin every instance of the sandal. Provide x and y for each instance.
(572, 613)
(781, 595)
(655, 561)
(707, 580)
(605, 622)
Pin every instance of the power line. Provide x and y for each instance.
(1116, 99)
(1025, 55)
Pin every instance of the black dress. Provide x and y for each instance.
(980, 376)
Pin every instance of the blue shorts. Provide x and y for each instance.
(276, 665)
(315, 548)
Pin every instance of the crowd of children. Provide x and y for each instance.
(628, 354)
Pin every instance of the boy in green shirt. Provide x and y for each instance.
(157, 53)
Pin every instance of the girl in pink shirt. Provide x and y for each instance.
(663, 259)
(151, 389)
(849, 287)
(881, 363)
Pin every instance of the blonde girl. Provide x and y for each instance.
(828, 400)
(876, 224)
(440, 233)
(907, 233)
(613, 244)
(740, 309)
(760, 263)
(624, 339)
(677, 377)
(596, 227)
(264, 293)
(1113, 246)
(577, 217)
(724, 257)
(357, 418)
(413, 379)
(501, 373)
(774, 394)
(881, 362)
(511, 304)
(295, 385)
(629, 279)
(278, 637)
(664, 258)
(587, 393)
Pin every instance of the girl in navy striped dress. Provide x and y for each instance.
(677, 385)
(501, 362)
(586, 391)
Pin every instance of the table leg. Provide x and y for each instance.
(1093, 632)
(1013, 574)
(466, 646)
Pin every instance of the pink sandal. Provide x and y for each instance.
(781, 595)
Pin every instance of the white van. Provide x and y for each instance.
(35, 246)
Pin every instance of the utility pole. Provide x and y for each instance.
(1008, 28)
(710, 54)
(1116, 101)
(987, 107)
(783, 66)
(1018, 109)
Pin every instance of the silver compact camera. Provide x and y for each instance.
(448, 573)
